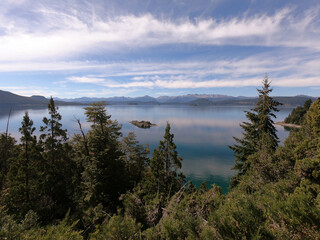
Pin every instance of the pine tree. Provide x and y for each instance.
(57, 168)
(266, 108)
(23, 175)
(256, 132)
(165, 165)
(28, 141)
(54, 136)
(103, 167)
(135, 157)
(162, 180)
(8, 150)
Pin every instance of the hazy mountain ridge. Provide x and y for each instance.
(194, 100)
(286, 101)
(162, 99)
(8, 99)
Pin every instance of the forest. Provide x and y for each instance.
(103, 185)
(297, 115)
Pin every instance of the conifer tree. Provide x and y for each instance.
(28, 141)
(162, 180)
(297, 114)
(257, 131)
(165, 165)
(57, 167)
(53, 136)
(8, 149)
(135, 157)
(103, 166)
(265, 109)
(23, 175)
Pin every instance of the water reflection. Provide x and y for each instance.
(202, 134)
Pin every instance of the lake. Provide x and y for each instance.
(202, 134)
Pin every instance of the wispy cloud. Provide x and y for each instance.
(63, 35)
(288, 70)
(90, 45)
(189, 83)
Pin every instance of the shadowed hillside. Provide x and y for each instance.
(8, 99)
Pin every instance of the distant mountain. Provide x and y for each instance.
(8, 99)
(192, 97)
(112, 100)
(286, 101)
(84, 100)
(147, 99)
(201, 102)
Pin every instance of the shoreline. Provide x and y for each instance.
(290, 125)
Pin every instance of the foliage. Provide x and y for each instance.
(100, 185)
(8, 150)
(104, 165)
(118, 227)
(56, 167)
(297, 115)
(256, 132)
(164, 166)
(23, 176)
(135, 157)
(161, 181)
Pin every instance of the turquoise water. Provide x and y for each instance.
(202, 134)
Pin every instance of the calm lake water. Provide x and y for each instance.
(202, 134)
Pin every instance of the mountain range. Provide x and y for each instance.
(8, 99)
(183, 99)
(192, 99)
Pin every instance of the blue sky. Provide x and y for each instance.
(103, 48)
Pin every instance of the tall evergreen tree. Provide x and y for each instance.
(28, 141)
(165, 164)
(104, 165)
(257, 131)
(53, 136)
(265, 109)
(23, 175)
(57, 167)
(135, 157)
(8, 149)
(162, 180)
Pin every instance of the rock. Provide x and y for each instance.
(142, 124)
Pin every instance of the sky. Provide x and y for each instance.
(105, 48)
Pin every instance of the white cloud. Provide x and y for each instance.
(185, 83)
(86, 80)
(61, 35)
(98, 93)
(287, 70)
(45, 37)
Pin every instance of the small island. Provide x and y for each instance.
(142, 124)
